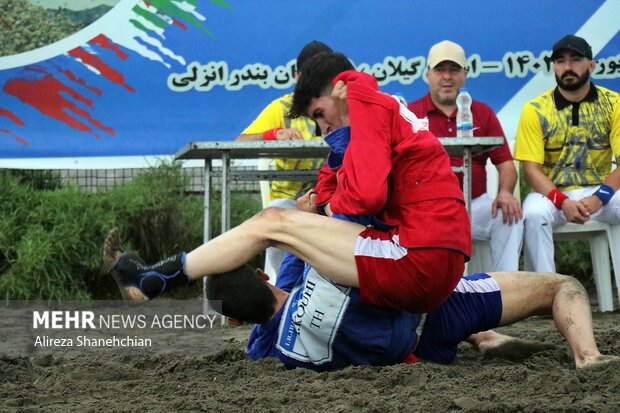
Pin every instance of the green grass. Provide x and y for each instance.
(51, 239)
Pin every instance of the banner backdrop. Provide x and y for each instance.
(150, 76)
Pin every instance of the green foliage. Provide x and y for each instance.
(24, 26)
(38, 179)
(524, 187)
(153, 213)
(573, 258)
(45, 241)
(51, 240)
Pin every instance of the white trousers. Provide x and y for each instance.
(541, 216)
(274, 256)
(504, 239)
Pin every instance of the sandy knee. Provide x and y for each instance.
(572, 286)
(269, 222)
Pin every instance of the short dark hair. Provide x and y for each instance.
(313, 48)
(243, 293)
(315, 77)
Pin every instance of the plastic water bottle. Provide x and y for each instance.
(464, 118)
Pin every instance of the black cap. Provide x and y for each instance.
(313, 48)
(575, 43)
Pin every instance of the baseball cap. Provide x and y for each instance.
(575, 43)
(446, 50)
(313, 48)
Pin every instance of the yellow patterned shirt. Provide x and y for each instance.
(275, 115)
(574, 142)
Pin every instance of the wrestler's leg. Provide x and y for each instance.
(527, 293)
(324, 243)
(497, 345)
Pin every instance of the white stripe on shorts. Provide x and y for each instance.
(482, 285)
(378, 248)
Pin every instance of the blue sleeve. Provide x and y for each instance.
(291, 272)
(338, 140)
(363, 220)
(263, 337)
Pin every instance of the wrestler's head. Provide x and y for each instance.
(312, 95)
(244, 295)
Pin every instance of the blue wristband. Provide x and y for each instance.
(604, 193)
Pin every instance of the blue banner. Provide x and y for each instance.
(150, 76)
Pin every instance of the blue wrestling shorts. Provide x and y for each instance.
(475, 305)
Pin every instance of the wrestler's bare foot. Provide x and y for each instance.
(496, 345)
(112, 251)
(596, 361)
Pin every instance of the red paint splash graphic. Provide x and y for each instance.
(46, 96)
(82, 82)
(8, 114)
(17, 138)
(97, 63)
(104, 42)
(179, 23)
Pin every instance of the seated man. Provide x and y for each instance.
(494, 219)
(566, 140)
(308, 321)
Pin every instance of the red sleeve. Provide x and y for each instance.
(363, 178)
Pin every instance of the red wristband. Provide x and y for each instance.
(270, 135)
(557, 198)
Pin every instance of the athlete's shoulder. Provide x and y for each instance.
(285, 100)
(541, 105)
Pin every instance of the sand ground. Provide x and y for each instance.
(215, 375)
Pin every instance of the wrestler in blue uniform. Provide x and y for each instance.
(324, 326)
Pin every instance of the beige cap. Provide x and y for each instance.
(446, 50)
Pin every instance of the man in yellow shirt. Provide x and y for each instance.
(566, 139)
(273, 123)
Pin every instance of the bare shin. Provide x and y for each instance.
(326, 244)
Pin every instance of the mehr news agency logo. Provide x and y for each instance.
(84, 320)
